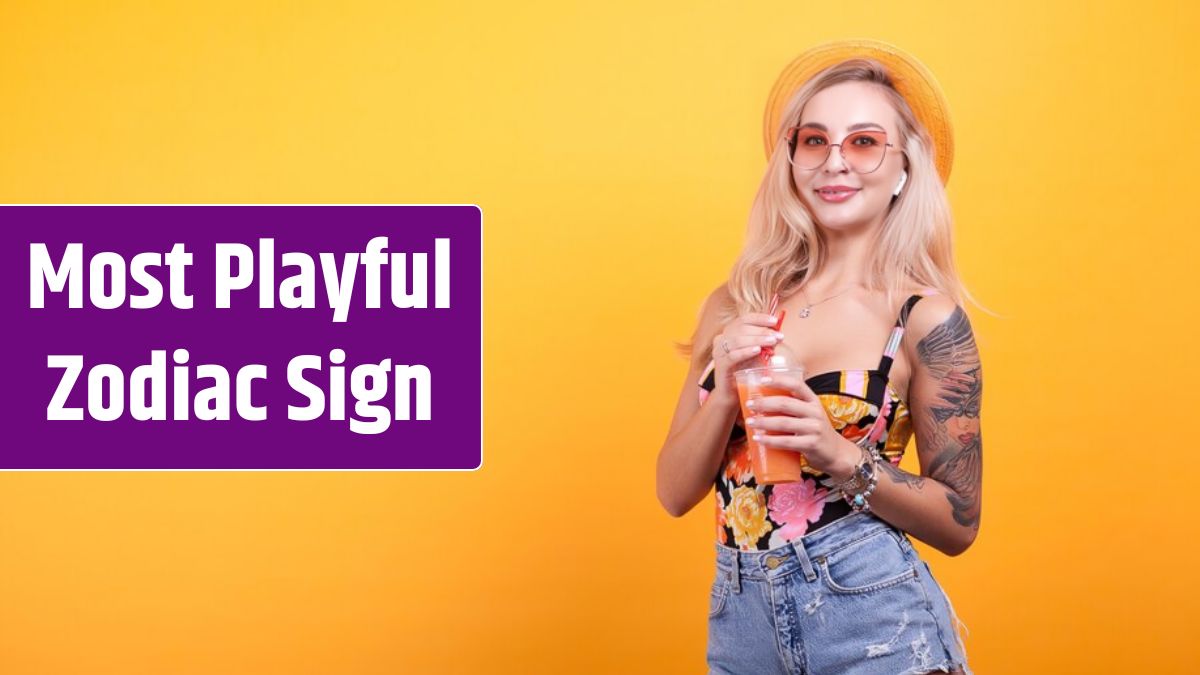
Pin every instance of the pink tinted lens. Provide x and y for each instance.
(864, 150)
(812, 147)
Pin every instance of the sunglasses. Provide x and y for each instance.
(862, 151)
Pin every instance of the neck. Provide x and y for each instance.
(847, 259)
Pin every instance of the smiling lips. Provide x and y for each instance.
(836, 193)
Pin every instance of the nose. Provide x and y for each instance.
(835, 163)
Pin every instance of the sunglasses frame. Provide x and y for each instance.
(791, 139)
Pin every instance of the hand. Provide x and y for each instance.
(745, 336)
(800, 423)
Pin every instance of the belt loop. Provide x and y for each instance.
(735, 575)
(805, 563)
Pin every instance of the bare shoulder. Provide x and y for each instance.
(932, 310)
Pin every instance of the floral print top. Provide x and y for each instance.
(862, 407)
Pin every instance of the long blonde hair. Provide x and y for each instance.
(783, 245)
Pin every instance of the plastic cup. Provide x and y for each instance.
(770, 464)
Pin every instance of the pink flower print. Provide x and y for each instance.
(880, 424)
(721, 536)
(795, 505)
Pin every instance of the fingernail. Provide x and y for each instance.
(758, 437)
(766, 380)
(778, 335)
(751, 404)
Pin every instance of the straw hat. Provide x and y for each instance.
(912, 79)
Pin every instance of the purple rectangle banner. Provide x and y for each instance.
(274, 337)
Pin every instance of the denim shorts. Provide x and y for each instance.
(852, 598)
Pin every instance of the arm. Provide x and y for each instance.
(942, 505)
(696, 443)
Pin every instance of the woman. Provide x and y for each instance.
(819, 575)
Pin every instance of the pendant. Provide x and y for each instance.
(805, 312)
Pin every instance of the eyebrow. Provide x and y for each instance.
(852, 127)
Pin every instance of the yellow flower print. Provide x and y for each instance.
(898, 436)
(747, 515)
(844, 410)
(810, 471)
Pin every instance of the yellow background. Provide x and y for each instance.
(614, 149)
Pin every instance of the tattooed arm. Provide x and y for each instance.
(942, 505)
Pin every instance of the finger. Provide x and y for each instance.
(796, 385)
(751, 357)
(759, 331)
(778, 424)
(743, 342)
(762, 319)
(744, 353)
(750, 335)
(780, 405)
(738, 356)
(785, 441)
(765, 339)
(775, 440)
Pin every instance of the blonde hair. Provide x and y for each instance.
(783, 245)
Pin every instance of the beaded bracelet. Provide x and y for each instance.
(858, 500)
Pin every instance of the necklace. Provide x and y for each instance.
(808, 309)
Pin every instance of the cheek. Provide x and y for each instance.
(882, 190)
(800, 182)
(805, 193)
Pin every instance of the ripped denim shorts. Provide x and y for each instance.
(852, 598)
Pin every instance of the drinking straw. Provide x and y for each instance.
(769, 350)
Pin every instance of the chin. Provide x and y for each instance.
(838, 221)
(843, 224)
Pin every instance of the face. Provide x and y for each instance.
(839, 111)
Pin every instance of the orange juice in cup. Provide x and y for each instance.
(771, 464)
